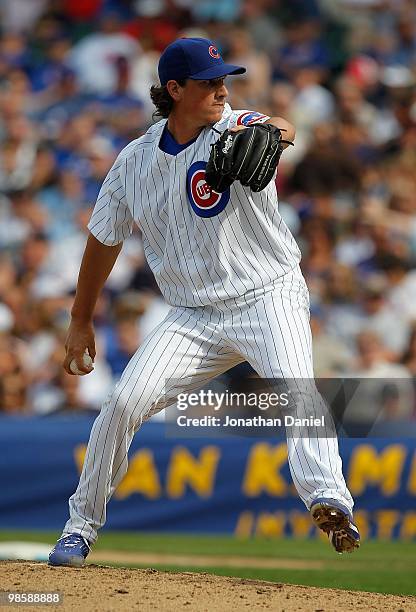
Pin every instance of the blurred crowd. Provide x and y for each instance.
(74, 90)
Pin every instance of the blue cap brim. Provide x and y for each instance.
(216, 72)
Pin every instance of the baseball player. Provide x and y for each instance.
(227, 264)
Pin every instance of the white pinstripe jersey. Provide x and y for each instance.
(202, 247)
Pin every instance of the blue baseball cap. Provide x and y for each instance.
(193, 58)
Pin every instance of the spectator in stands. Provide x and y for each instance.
(242, 52)
(304, 47)
(123, 337)
(327, 167)
(331, 357)
(93, 57)
(381, 318)
(13, 379)
(408, 359)
(386, 390)
(345, 317)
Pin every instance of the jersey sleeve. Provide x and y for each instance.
(246, 117)
(111, 220)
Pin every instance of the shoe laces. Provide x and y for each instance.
(72, 540)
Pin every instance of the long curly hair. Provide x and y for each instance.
(162, 99)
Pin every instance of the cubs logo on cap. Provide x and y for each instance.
(213, 51)
(251, 117)
(204, 201)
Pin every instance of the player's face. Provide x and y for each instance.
(204, 100)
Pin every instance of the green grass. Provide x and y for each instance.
(384, 567)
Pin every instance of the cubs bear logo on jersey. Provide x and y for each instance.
(251, 117)
(204, 201)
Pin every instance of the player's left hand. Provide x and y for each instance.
(249, 155)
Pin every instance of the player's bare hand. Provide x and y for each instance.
(237, 128)
(80, 339)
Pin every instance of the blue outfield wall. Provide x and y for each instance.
(230, 485)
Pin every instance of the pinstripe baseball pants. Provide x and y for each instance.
(194, 345)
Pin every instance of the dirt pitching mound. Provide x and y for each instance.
(104, 589)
